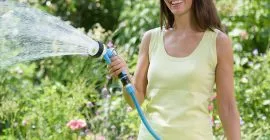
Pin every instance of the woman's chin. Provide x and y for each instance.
(178, 12)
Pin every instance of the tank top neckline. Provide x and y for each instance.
(195, 51)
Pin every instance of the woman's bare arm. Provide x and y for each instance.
(226, 103)
(139, 80)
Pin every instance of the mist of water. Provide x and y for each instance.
(29, 34)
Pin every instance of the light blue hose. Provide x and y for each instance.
(130, 90)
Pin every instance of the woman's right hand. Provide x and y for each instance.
(117, 66)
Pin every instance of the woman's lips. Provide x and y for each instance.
(176, 2)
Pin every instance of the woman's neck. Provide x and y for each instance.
(184, 23)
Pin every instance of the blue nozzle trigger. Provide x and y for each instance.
(108, 55)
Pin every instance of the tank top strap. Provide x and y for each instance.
(210, 44)
(154, 42)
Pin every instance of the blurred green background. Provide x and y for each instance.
(38, 99)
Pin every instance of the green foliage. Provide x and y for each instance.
(137, 17)
(84, 13)
(247, 22)
(37, 111)
(253, 88)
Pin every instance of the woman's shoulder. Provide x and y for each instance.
(223, 43)
(220, 36)
(146, 38)
(222, 39)
(150, 33)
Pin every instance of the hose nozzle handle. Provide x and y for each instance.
(110, 52)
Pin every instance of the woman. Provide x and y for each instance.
(177, 68)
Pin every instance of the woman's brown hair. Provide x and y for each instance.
(204, 12)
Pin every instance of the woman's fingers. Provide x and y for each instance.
(116, 69)
(117, 66)
(115, 61)
(117, 72)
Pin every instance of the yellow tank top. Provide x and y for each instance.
(179, 89)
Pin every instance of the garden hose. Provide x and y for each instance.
(107, 53)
